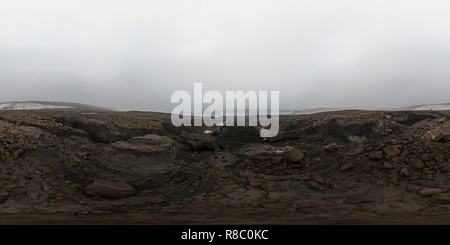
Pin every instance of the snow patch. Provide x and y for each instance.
(29, 106)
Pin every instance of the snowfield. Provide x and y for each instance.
(29, 106)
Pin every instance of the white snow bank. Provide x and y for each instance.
(29, 106)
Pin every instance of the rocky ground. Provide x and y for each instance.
(135, 167)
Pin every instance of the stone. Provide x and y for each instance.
(319, 179)
(404, 172)
(3, 196)
(400, 195)
(158, 199)
(387, 165)
(358, 200)
(328, 203)
(17, 153)
(376, 155)
(359, 150)
(312, 184)
(4, 176)
(255, 182)
(417, 164)
(367, 168)
(428, 184)
(277, 160)
(430, 191)
(347, 166)
(435, 135)
(119, 203)
(446, 168)
(394, 205)
(295, 155)
(311, 210)
(306, 204)
(336, 187)
(391, 150)
(440, 198)
(331, 148)
(104, 188)
(83, 155)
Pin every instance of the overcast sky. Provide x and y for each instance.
(132, 54)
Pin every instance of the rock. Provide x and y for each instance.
(312, 184)
(429, 184)
(435, 135)
(311, 210)
(405, 173)
(377, 155)
(306, 204)
(358, 200)
(158, 199)
(440, 120)
(155, 145)
(295, 155)
(446, 168)
(394, 205)
(331, 148)
(427, 157)
(4, 176)
(391, 150)
(104, 188)
(430, 191)
(336, 187)
(319, 179)
(417, 164)
(387, 165)
(255, 183)
(328, 203)
(83, 155)
(277, 160)
(440, 198)
(347, 166)
(118, 203)
(3, 196)
(367, 168)
(17, 153)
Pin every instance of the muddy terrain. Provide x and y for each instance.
(345, 167)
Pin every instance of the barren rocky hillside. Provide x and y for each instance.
(326, 166)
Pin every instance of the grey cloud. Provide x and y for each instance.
(135, 54)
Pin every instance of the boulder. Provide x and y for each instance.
(391, 150)
(104, 188)
(376, 155)
(417, 164)
(295, 155)
(440, 198)
(435, 135)
(430, 191)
